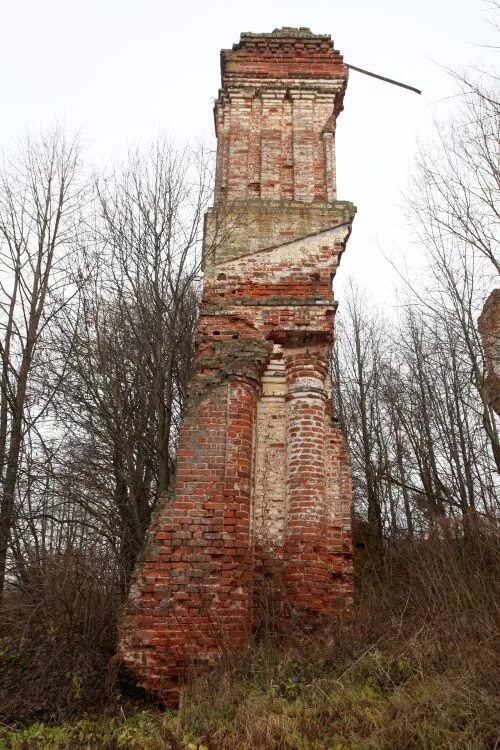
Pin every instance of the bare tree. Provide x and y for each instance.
(133, 351)
(454, 204)
(413, 418)
(356, 376)
(41, 198)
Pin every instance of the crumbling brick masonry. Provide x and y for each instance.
(260, 517)
(489, 328)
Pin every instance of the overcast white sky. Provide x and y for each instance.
(124, 71)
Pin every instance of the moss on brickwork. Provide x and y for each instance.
(259, 225)
(228, 359)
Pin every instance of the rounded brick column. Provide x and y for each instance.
(232, 605)
(306, 538)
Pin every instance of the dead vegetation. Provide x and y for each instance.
(57, 640)
(416, 667)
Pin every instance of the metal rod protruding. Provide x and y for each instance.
(383, 78)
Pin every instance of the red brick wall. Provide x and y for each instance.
(242, 534)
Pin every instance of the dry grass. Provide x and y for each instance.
(417, 667)
(57, 639)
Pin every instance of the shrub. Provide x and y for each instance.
(57, 639)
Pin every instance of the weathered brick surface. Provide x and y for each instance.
(489, 327)
(260, 517)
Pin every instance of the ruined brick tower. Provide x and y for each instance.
(260, 518)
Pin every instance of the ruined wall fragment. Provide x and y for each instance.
(261, 510)
(489, 327)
